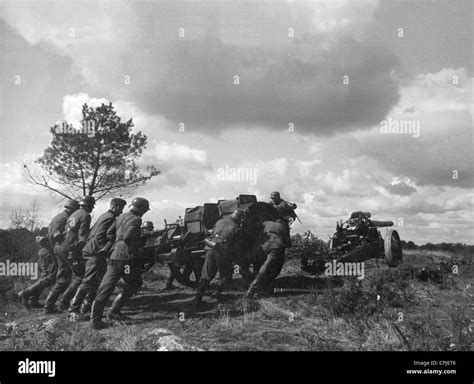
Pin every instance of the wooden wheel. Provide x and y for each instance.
(393, 248)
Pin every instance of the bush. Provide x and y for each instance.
(308, 242)
(360, 299)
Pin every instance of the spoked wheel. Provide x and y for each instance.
(393, 248)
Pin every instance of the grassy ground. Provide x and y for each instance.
(387, 310)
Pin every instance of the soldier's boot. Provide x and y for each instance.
(115, 313)
(77, 301)
(201, 290)
(86, 307)
(87, 303)
(50, 302)
(67, 296)
(96, 315)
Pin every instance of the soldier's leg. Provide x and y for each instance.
(63, 278)
(78, 269)
(101, 267)
(133, 281)
(271, 267)
(114, 273)
(87, 284)
(32, 293)
(226, 269)
(259, 260)
(209, 271)
(274, 269)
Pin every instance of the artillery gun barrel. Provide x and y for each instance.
(381, 224)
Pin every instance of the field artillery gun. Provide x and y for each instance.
(182, 246)
(357, 239)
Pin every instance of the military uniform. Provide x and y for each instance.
(285, 209)
(227, 236)
(48, 269)
(275, 240)
(96, 264)
(124, 264)
(69, 259)
(56, 227)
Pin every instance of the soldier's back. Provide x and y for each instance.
(224, 228)
(57, 223)
(127, 236)
(73, 225)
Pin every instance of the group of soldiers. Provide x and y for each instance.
(84, 265)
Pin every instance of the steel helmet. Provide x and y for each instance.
(87, 200)
(148, 225)
(275, 195)
(72, 204)
(237, 215)
(140, 202)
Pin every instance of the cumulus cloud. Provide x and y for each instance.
(72, 107)
(174, 153)
(448, 90)
(281, 79)
(441, 103)
(401, 188)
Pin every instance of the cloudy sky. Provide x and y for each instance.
(303, 96)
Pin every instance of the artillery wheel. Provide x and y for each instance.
(393, 248)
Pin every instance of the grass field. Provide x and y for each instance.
(387, 310)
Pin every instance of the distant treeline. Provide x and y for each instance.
(19, 243)
(447, 247)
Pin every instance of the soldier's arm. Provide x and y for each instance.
(51, 265)
(133, 231)
(103, 230)
(110, 235)
(235, 239)
(112, 231)
(289, 209)
(56, 228)
(83, 232)
(290, 205)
